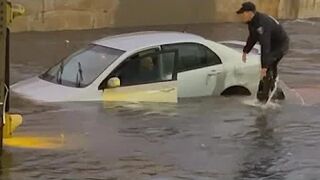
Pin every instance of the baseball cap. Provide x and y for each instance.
(247, 6)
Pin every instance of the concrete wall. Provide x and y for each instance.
(309, 8)
(44, 15)
(288, 9)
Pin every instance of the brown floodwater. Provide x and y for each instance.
(201, 138)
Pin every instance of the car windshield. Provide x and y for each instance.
(82, 67)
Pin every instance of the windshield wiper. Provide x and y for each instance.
(60, 72)
(79, 77)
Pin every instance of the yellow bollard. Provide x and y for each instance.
(12, 121)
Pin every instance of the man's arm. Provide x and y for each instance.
(251, 41)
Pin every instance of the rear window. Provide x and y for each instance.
(193, 56)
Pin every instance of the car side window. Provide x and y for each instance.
(138, 71)
(193, 56)
(145, 67)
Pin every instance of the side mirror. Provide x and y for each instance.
(114, 82)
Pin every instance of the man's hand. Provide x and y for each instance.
(263, 72)
(244, 57)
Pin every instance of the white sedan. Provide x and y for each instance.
(147, 66)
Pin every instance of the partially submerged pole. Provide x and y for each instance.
(3, 49)
(8, 122)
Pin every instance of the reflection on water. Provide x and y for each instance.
(201, 138)
(264, 154)
(209, 138)
(34, 142)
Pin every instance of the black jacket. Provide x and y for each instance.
(271, 36)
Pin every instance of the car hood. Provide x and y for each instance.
(40, 90)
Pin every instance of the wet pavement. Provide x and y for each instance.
(202, 138)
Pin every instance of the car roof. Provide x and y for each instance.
(139, 40)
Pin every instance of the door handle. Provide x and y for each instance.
(214, 73)
(210, 74)
(167, 90)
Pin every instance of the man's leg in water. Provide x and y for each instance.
(265, 85)
(279, 94)
(273, 74)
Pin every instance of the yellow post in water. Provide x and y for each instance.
(3, 35)
(8, 122)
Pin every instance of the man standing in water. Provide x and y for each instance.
(274, 43)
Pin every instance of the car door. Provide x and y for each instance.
(199, 70)
(148, 76)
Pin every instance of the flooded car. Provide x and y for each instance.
(151, 66)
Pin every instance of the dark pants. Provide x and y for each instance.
(267, 84)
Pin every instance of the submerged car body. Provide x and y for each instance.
(146, 66)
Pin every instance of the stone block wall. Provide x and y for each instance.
(51, 15)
